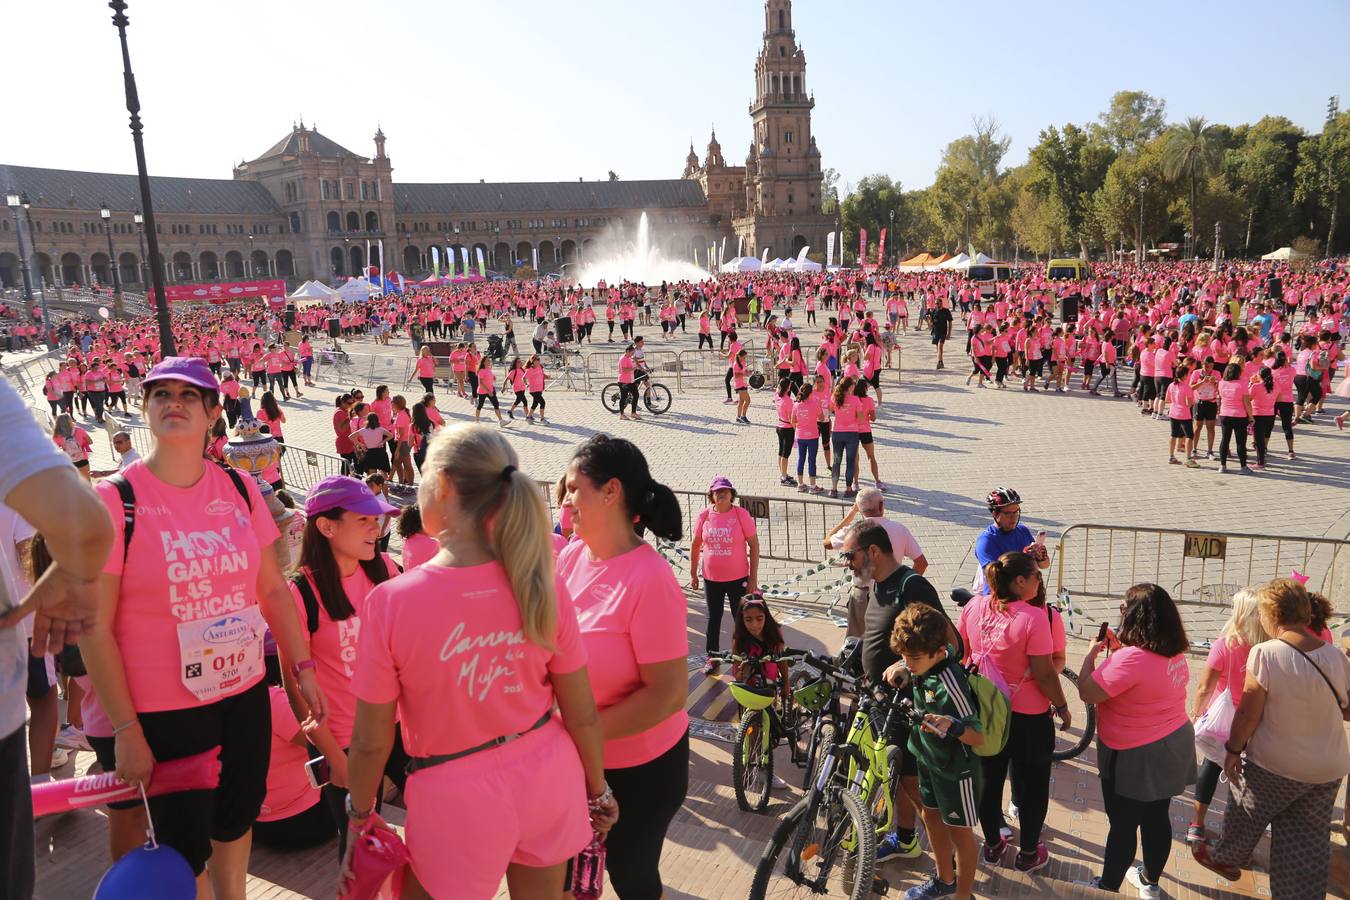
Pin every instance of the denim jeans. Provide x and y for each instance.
(806, 455)
(845, 445)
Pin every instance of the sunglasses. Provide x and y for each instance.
(847, 555)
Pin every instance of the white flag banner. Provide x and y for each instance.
(740, 245)
(534, 256)
(464, 255)
(764, 257)
(829, 249)
(802, 255)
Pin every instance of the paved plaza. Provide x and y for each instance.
(941, 446)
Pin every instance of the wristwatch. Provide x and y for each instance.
(302, 665)
(353, 814)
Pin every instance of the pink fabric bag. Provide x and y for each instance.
(378, 858)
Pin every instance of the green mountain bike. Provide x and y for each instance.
(769, 716)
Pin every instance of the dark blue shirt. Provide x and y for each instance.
(993, 543)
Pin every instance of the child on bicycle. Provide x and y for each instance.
(755, 634)
(949, 773)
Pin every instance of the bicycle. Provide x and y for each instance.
(1071, 742)
(827, 842)
(655, 396)
(770, 715)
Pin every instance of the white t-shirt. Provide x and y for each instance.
(903, 543)
(28, 452)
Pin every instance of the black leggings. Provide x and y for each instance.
(1133, 822)
(428, 384)
(1001, 367)
(1031, 740)
(717, 594)
(728, 383)
(301, 831)
(1264, 426)
(628, 393)
(1207, 782)
(537, 401)
(488, 398)
(1286, 413)
(1309, 389)
(1233, 426)
(649, 796)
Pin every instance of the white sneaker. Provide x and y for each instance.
(1012, 810)
(59, 758)
(72, 738)
(1135, 876)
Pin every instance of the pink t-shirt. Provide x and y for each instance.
(288, 789)
(1230, 399)
(808, 418)
(333, 649)
(418, 549)
(448, 645)
(194, 557)
(1147, 697)
(1012, 636)
(1228, 657)
(1179, 398)
(426, 366)
(725, 555)
(632, 613)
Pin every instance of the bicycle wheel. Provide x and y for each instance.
(806, 858)
(611, 396)
(752, 762)
(657, 400)
(1075, 740)
(824, 735)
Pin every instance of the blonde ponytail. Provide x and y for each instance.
(482, 466)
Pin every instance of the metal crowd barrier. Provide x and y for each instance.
(1198, 569)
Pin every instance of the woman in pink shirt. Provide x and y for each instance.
(426, 369)
(1261, 390)
(418, 546)
(1145, 742)
(1235, 414)
(1179, 398)
(515, 379)
(1205, 384)
(844, 436)
(470, 652)
(176, 654)
(633, 620)
(1283, 375)
(486, 389)
(1010, 628)
(783, 404)
(867, 414)
(535, 380)
(403, 440)
(1225, 670)
(805, 420)
(724, 549)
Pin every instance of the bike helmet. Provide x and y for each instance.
(1000, 497)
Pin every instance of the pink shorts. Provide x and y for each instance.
(524, 803)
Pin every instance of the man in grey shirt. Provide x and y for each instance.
(41, 485)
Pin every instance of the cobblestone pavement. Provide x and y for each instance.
(940, 447)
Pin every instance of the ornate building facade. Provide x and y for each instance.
(308, 206)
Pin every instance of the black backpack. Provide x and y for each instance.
(306, 589)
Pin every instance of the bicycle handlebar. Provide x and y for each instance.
(785, 656)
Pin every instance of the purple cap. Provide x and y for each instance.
(192, 369)
(344, 492)
(721, 483)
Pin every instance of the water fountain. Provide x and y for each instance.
(638, 261)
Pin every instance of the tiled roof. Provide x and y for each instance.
(318, 145)
(546, 195)
(68, 189)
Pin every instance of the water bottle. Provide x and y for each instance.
(588, 871)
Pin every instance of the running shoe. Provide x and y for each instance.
(790, 481)
(72, 738)
(1005, 832)
(59, 757)
(1192, 464)
(803, 488)
(728, 400)
(1013, 811)
(933, 887)
(992, 854)
(1147, 890)
(1195, 833)
(1034, 861)
(892, 846)
(710, 667)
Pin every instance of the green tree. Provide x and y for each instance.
(1065, 168)
(1116, 203)
(1133, 119)
(1192, 151)
(1324, 171)
(829, 192)
(870, 206)
(1260, 169)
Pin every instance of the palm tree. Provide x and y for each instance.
(1192, 150)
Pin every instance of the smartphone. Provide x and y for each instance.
(318, 771)
(1101, 632)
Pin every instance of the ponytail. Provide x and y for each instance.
(999, 574)
(654, 506)
(1266, 378)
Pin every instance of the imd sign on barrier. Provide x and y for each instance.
(1205, 546)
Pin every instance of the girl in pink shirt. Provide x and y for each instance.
(535, 379)
(1146, 745)
(633, 620)
(487, 391)
(1225, 670)
(1262, 392)
(426, 369)
(867, 414)
(783, 407)
(515, 378)
(1235, 413)
(474, 683)
(418, 546)
(805, 419)
(844, 435)
(724, 549)
(293, 815)
(1179, 399)
(740, 372)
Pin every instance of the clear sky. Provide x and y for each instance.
(529, 90)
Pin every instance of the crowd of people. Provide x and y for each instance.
(550, 697)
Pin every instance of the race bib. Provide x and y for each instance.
(219, 653)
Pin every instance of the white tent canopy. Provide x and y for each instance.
(958, 261)
(356, 289)
(1284, 254)
(313, 291)
(742, 264)
(806, 265)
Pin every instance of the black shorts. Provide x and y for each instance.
(864, 437)
(241, 725)
(1036, 367)
(39, 679)
(1206, 410)
(1182, 428)
(825, 434)
(786, 436)
(875, 379)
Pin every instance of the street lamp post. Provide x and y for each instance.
(140, 238)
(1139, 246)
(1217, 233)
(42, 290)
(249, 270)
(892, 231)
(119, 19)
(15, 200)
(967, 223)
(496, 239)
(106, 214)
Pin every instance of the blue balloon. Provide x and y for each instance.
(159, 872)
